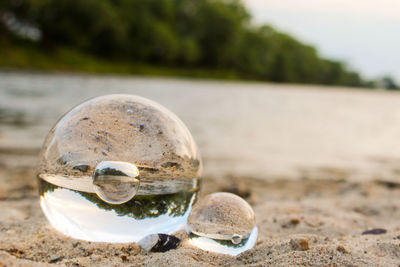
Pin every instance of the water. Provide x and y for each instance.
(268, 130)
(117, 168)
(223, 223)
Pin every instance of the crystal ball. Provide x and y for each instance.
(223, 223)
(117, 168)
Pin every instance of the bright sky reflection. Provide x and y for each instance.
(77, 217)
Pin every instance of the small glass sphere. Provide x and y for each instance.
(223, 223)
(115, 182)
(118, 168)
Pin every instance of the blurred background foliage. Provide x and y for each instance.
(179, 36)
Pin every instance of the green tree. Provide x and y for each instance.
(212, 34)
(218, 27)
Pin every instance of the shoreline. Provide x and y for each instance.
(188, 78)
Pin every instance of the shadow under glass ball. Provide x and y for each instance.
(116, 182)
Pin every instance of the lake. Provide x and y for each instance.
(242, 128)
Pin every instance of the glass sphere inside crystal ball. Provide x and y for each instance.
(116, 182)
(223, 223)
(118, 168)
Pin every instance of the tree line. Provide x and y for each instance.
(210, 34)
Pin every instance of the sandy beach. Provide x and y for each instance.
(306, 221)
(317, 221)
(328, 208)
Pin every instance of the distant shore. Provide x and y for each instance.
(28, 58)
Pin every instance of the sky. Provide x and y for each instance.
(363, 33)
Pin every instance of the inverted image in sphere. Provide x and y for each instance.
(120, 128)
(223, 216)
(118, 168)
(222, 223)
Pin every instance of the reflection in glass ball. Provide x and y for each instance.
(223, 223)
(118, 168)
(115, 182)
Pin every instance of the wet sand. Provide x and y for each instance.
(314, 219)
